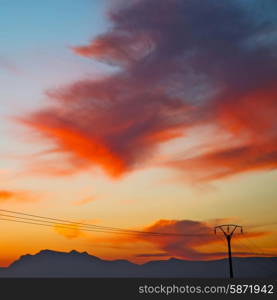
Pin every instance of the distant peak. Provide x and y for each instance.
(47, 251)
(174, 259)
(75, 252)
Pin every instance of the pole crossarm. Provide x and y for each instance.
(228, 231)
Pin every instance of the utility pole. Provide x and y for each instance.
(228, 231)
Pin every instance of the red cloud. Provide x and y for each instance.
(198, 234)
(190, 246)
(249, 120)
(119, 48)
(71, 233)
(83, 148)
(181, 64)
(114, 135)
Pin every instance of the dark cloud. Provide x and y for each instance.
(180, 64)
(188, 236)
(199, 234)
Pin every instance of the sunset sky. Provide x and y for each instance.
(152, 115)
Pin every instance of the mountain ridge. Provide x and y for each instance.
(51, 263)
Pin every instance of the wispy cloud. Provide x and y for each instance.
(8, 65)
(16, 196)
(85, 200)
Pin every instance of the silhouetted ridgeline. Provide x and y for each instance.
(49, 263)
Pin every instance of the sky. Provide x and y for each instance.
(141, 114)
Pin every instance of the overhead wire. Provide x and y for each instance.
(261, 264)
(32, 219)
(42, 220)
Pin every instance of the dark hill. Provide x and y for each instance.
(49, 263)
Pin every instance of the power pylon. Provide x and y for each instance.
(228, 231)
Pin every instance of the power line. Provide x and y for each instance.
(67, 221)
(257, 247)
(52, 223)
(262, 264)
(55, 224)
(268, 256)
(260, 225)
(25, 218)
(84, 226)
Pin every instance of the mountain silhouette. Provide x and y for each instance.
(48, 263)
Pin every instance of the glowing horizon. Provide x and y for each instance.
(138, 116)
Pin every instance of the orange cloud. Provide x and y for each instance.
(16, 196)
(81, 146)
(6, 195)
(71, 233)
(74, 230)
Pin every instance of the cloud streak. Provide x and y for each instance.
(16, 196)
(179, 65)
(71, 233)
(85, 200)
